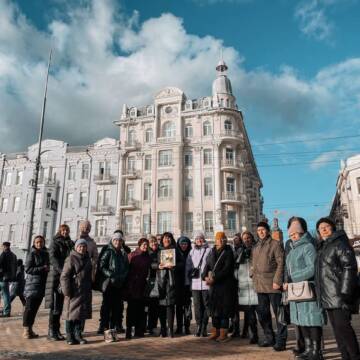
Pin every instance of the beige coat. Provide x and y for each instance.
(267, 265)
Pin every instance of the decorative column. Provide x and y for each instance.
(120, 194)
(198, 190)
(217, 188)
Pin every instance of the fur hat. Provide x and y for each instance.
(263, 224)
(326, 220)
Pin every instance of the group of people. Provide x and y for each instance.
(305, 281)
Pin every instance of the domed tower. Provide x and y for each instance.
(221, 88)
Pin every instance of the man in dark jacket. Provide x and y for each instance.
(267, 273)
(336, 282)
(8, 266)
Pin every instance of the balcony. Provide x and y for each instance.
(232, 134)
(232, 197)
(104, 179)
(232, 165)
(131, 174)
(166, 140)
(132, 145)
(100, 210)
(129, 204)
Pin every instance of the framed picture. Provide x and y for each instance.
(168, 257)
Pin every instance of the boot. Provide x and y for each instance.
(300, 346)
(60, 335)
(100, 330)
(128, 334)
(316, 353)
(26, 333)
(114, 335)
(53, 335)
(163, 332)
(171, 332)
(198, 330)
(215, 333)
(306, 355)
(179, 331)
(187, 327)
(204, 332)
(223, 336)
(108, 336)
(78, 334)
(32, 334)
(70, 338)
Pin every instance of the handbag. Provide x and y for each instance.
(300, 291)
(211, 274)
(195, 273)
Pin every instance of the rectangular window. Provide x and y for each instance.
(146, 224)
(48, 200)
(189, 222)
(104, 168)
(8, 178)
(188, 188)
(231, 220)
(16, 206)
(4, 205)
(38, 201)
(165, 188)
(71, 175)
(130, 192)
(148, 162)
(164, 222)
(207, 157)
(106, 197)
(85, 170)
(188, 131)
(69, 200)
(83, 199)
(208, 188)
(188, 159)
(230, 185)
(19, 177)
(99, 198)
(100, 228)
(229, 155)
(12, 233)
(209, 222)
(131, 163)
(165, 158)
(148, 135)
(147, 191)
(128, 224)
(45, 229)
(48, 174)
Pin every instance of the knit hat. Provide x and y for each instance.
(116, 236)
(295, 227)
(220, 235)
(263, 224)
(199, 234)
(327, 221)
(80, 242)
(183, 240)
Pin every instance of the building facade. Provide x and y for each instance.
(180, 165)
(346, 204)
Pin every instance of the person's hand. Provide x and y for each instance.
(161, 266)
(285, 286)
(276, 286)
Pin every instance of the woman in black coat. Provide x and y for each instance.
(336, 280)
(36, 268)
(165, 277)
(183, 292)
(59, 250)
(219, 275)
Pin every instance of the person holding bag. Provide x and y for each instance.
(304, 309)
(195, 265)
(219, 276)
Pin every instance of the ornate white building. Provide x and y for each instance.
(180, 165)
(346, 204)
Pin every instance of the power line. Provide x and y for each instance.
(306, 152)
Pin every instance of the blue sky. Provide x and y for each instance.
(294, 65)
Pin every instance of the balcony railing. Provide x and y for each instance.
(168, 139)
(130, 204)
(102, 210)
(131, 173)
(134, 144)
(230, 196)
(105, 178)
(232, 163)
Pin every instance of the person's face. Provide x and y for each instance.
(262, 233)
(219, 243)
(158, 238)
(199, 241)
(117, 243)
(144, 247)
(166, 241)
(85, 229)
(247, 240)
(237, 241)
(325, 230)
(295, 236)
(81, 249)
(38, 243)
(154, 245)
(64, 232)
(184, 246)
(5, 248)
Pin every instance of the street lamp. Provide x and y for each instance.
(34, 181)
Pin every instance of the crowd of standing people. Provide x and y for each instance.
(307, 282)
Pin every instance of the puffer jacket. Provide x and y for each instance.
(36, 268)
(114, 265)
(336, 276)
(8, 266)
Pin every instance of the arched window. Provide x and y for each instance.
(168, 129)
(148, 135)
(207, 128)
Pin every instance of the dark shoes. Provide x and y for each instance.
(55, 336)
(266, 343)
(279, 347)
(197, 331)
(128, 334)
(254, 340)
(70, 340)
(244, 335)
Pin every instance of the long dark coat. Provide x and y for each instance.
(76, 284)
(35, 267)
(336, 274)
(223, 291)
(183, 292)
(59, 250)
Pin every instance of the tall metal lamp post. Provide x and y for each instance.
(35, 179)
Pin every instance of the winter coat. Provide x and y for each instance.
(139, 266)
(59, 250)
(165, 279)
(8, 266)
(336, 275)
(300, 265)
(267, 265)
(76, 286)
(93, 253)
(192, 262)
(222, 291)
(246, 293)
(36, 267)
(183, 293)
(17, 288)
(113, 265)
